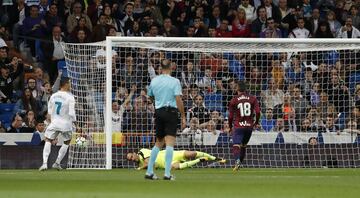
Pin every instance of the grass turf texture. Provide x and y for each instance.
(189, 183)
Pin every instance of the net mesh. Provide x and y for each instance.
(307, 91)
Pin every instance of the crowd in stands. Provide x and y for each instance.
(298, 92)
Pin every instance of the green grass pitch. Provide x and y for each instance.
(222, 183)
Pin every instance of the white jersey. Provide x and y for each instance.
(117, 119)
(61, 108)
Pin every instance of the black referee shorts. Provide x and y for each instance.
(166, 121)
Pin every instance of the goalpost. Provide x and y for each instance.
(307, 89)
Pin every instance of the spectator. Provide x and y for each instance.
(240, 25)
(354, 14)
(313, 141)
(215, 19)
(306, 126)
(280, 127)
(278, 74)
(300, 31)
(348, 30)
(273, 96)
(29, 120)
(168, 29)
(289, 22)
(110, 20)
(100, 30)
(81, 25)
(249, 10)
(330, 125)
(312, 23)
(287, 112)
(127, 18)
(300, 104)
(9, 72)
(307, 9)
(268, 122)
(153, 31)
(53, 53)
(53, 19)
(339, 94)
(26, 103)
(285, 12)
(40, 78)
(134, 30)
(271, 31)
(16, 18)
(307, 83)
(226, 127)
(272, 11)
(199, 110)
(118, 111)
(324, 30)
(2, 128)
(16, 125)
(255, 82)
(40, 130)
(189, 74)
(141, 116)
(81, 37)
(315, 119)
(77, 13)
(295, 72)
(199, 28)
(223, 30)
(31, 84)
(334, 24)
(206, 82)
(44, 98)
(315, 94)
(259, 24)
(33, 27)
(194, 132)
(322, 76)
(352, 127)
(211, 129)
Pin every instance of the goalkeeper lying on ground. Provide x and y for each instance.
(182, 159)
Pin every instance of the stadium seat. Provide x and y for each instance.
(213, 102)
(5, 119)
(223, 138)
(61, 65)
(6, 107)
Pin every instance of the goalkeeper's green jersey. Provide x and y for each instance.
(143, 154)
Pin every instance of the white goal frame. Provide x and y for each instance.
(250, 41)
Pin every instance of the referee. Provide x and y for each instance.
(166, 91)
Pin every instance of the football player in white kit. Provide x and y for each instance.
(61, 108)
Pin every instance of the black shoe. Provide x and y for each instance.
(172, 178)
(151, 177)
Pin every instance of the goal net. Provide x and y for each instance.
(308, 89)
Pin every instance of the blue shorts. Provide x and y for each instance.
(242, 136)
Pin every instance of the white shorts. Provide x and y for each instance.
(52, 134)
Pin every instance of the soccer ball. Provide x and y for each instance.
(81, 141)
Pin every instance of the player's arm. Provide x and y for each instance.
(231, 114)
(145, 164)
(180, 104)
(50, 106)
(72, 109)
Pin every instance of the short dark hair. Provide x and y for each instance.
(64, 81)
(242, 85)
(165, 64)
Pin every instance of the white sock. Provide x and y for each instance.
(62, 153)
(46, 152)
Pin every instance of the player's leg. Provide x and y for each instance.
(50, 136)
(197, 155)
(153, 155)
(171, 122)
(63, 149)
(245, 140)
(238, 136)
(160, 134)
(169, 153)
